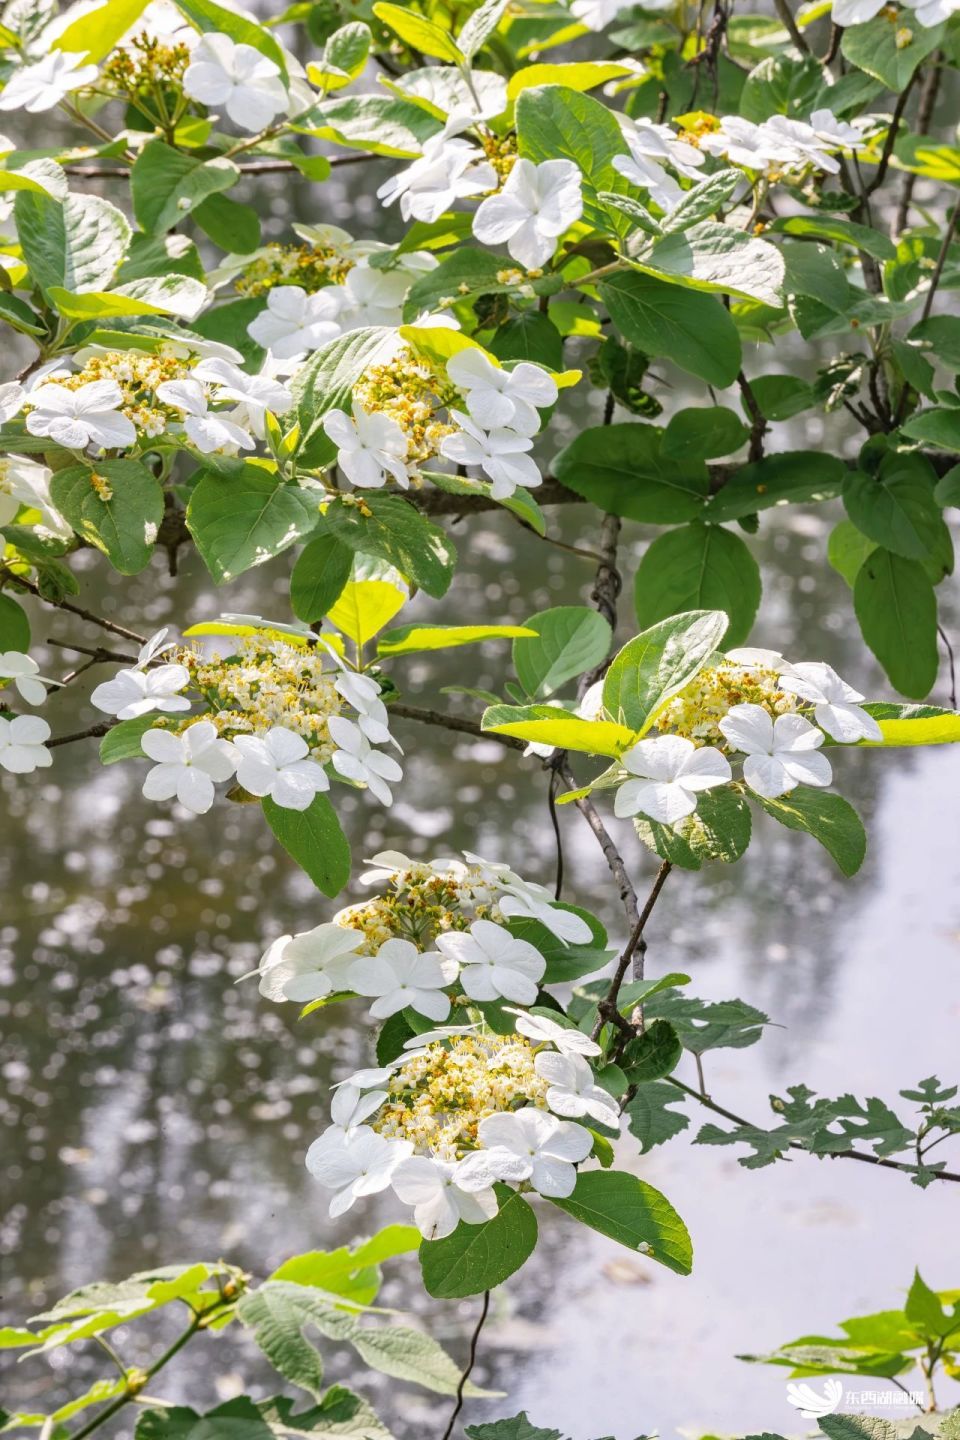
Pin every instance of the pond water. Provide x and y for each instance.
(153, 1111)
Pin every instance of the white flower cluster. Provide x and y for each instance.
(926, 12)
(780, 746)
(783, 146)
(459, 1110)
(446, 928)
(23, 738)
(492, 433)
(266, 694)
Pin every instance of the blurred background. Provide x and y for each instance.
(151, 1110)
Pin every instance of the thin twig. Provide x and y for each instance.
(792, 28)
(471, 1361)
(758, 421)
(929, 90)
(891, 139)
(95, 732)
(951, 662)
(557, 837)
(454, 722)
(615, 862)
(607, 1008)
(948, 236)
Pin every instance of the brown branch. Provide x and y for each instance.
(948, 237)
(929, 90)
(607, 1009)
(891, 138)
(785, 16)
(902, 1166)
(758, 421)
(94, 733)
(255, 167)
(454, 722)
(615, 861)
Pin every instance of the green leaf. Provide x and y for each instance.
(210, 17)
(717, 258)
(692, 330)
(366, 605)
(719, 828)
(650, 1118)
(554, 122)
(396, 532)
(480, 26)
(703, 433)
(843, 232)
(896, 606)
(344, 56)
(623, 470)
(381, 124)
(122, 741)
(547, 725)
(279, 1311)
(828, 818)
(658, 663)
(781, 85)
(653, 1054)
(166, 185)
(77, 243)
(315, 840)
(14, 625)
(914, 725)
(633, 1213)
(477, 270)
(877, 47)
(566, 642)
(480, 1257)
(699, 567)
(940, 334)
(160, 295)
(847, 549)
(411, 639)
(246, 520)
(947, 490)
(116, 505)
(896, 507)
(531, 336)
(418, 32)
(701, 201)
(939, 427)
(794, 476)
(353, 1274)
(518, 1427)
(97, 30)
(321, 571)
(781, 397)
(232, 226)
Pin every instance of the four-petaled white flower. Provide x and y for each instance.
(448, 170)
(781, 753)
(41, 86)
(363, 693)
(187, 765)
(934, 12)
(356, 1163)
(835, 703)
(740, 141)
(375, 297)
(542, 1031)
(439, 1204)
(253, 395)
(23, 744)
(357, 760)
(670, 772)
(500, 454)
(573, 1089)
(137, 691)
(494, 963)
(527, 1144)
(350, 1106)
(209, 432)
(24, 671)
(309, 965)
(524, 899)
(278, 764)
(537, 204)
(296, 323)
(831, 131)
(370, 446)
(400, 975)
(245, 82)
(89, 415)
(498, 398)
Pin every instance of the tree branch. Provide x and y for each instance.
(468, 1368)
(607, 1009)
(454, 722)
(23, 583)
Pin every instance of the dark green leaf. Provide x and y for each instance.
(395, 531)
(570, 640)
(319, 575)
(897, 610)
(116, 505)
(633, 1213)
(479, 1257)
(623, 470)
(699, 567)
(315, 840)
(828, 818)
(247, 519)
(14, 625)
(692, 330)
(658, 663)
(650, 1117)
(797, 476)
